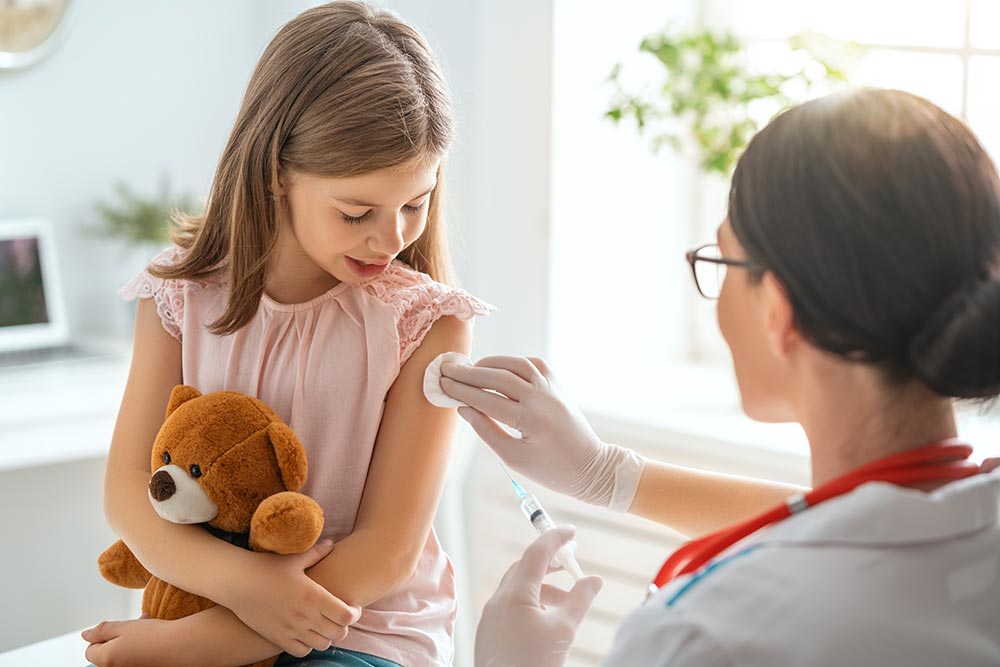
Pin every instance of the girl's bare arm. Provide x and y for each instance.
(185, 555)
(270, 593)
(404, 484)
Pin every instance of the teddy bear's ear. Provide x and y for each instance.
(181, 394)
(290, 453)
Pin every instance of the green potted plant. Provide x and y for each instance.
(141, 225)
(141, 221)
(707, 103)
(710, 100)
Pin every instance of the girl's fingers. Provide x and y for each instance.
(332, 631)
(340, 613)
(494, 379)
(96, 654)
(102, 632)
(316, 553)
(496, 406)
(519, 366)
(296, 648)
(316, 640)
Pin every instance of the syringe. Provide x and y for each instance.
(543, 523)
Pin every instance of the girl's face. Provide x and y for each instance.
(351, 228)
(756, 321)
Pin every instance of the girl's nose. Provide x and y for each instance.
(388, 240)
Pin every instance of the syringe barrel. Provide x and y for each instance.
(543, 523)
(538, 517)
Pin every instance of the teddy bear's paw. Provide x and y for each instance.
(286, 523)
(120, 566)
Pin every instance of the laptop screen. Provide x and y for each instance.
(22, 293)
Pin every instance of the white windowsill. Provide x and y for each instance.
(694, 418)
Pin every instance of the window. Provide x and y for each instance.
(628, 329)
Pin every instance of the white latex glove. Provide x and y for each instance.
(557, 448)
(528, 623)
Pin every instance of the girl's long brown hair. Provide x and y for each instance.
(343, 89)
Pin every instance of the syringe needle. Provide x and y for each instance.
(505, 470)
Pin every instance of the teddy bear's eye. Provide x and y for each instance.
(195, 471)
(166, 457)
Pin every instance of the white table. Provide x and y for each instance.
(64, 651)
(56, 421)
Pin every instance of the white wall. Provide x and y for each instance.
(136, 90)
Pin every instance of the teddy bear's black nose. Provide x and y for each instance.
(162, 486)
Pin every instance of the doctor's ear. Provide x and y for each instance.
(782, 333)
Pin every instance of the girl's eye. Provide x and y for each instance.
(414, 209)
(166, 457)
(195, 471)
(356, 219)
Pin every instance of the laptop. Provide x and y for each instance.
(33, 326)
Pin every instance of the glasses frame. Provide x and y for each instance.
(693, 257)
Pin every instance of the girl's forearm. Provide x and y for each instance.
(186, 556)
(366, 566)
(695, 502)
(217, 638)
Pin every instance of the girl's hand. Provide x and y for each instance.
(142, 643)
(277, 599)
(557, 447)
(527, 622)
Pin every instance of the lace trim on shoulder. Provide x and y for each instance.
(167, 294)
(419, 301)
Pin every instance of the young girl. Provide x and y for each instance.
(311, 282)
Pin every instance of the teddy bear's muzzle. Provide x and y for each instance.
(178, 497)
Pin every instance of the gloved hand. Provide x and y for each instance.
(530, 624)
(557, 448)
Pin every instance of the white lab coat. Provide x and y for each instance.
(882, 576)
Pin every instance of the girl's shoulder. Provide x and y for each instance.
(145, 285)
(408, 290)
(169, 294)
(417, 301)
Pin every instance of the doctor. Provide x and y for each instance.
(858, 286)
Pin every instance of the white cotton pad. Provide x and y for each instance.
(432, 379)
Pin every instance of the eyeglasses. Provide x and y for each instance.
(709, 267)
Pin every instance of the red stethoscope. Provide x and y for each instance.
(943, 461)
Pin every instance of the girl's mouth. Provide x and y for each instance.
(365, 269)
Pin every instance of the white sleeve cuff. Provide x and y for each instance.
(627, 475)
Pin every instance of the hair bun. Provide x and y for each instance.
(958, 351)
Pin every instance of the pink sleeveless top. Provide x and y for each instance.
(325, 366)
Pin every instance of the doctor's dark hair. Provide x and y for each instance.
(879, 213)
(342, 90)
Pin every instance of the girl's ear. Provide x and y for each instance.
(290, 454)
(782, 333)
(180, 395)
(280, 184)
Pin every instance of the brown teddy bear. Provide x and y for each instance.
(228, 462)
